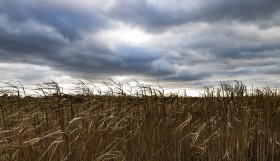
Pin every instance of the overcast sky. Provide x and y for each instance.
(181, 42)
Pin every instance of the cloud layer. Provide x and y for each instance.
(195, 42)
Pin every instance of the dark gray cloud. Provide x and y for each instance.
(188, 76)
(156, 17)
(187, 41)
(32, 44)
(70, 23)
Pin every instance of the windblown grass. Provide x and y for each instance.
(227, 123)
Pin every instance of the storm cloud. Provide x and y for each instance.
(195, 42)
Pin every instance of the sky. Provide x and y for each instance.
(180, 43)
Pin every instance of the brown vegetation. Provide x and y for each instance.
(227, 123)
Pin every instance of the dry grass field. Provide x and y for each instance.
(226, 123)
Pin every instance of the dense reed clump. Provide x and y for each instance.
(226, 123)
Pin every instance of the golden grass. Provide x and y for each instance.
(227, 123)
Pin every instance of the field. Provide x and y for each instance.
(226, 123)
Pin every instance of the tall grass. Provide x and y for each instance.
(226, 123)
